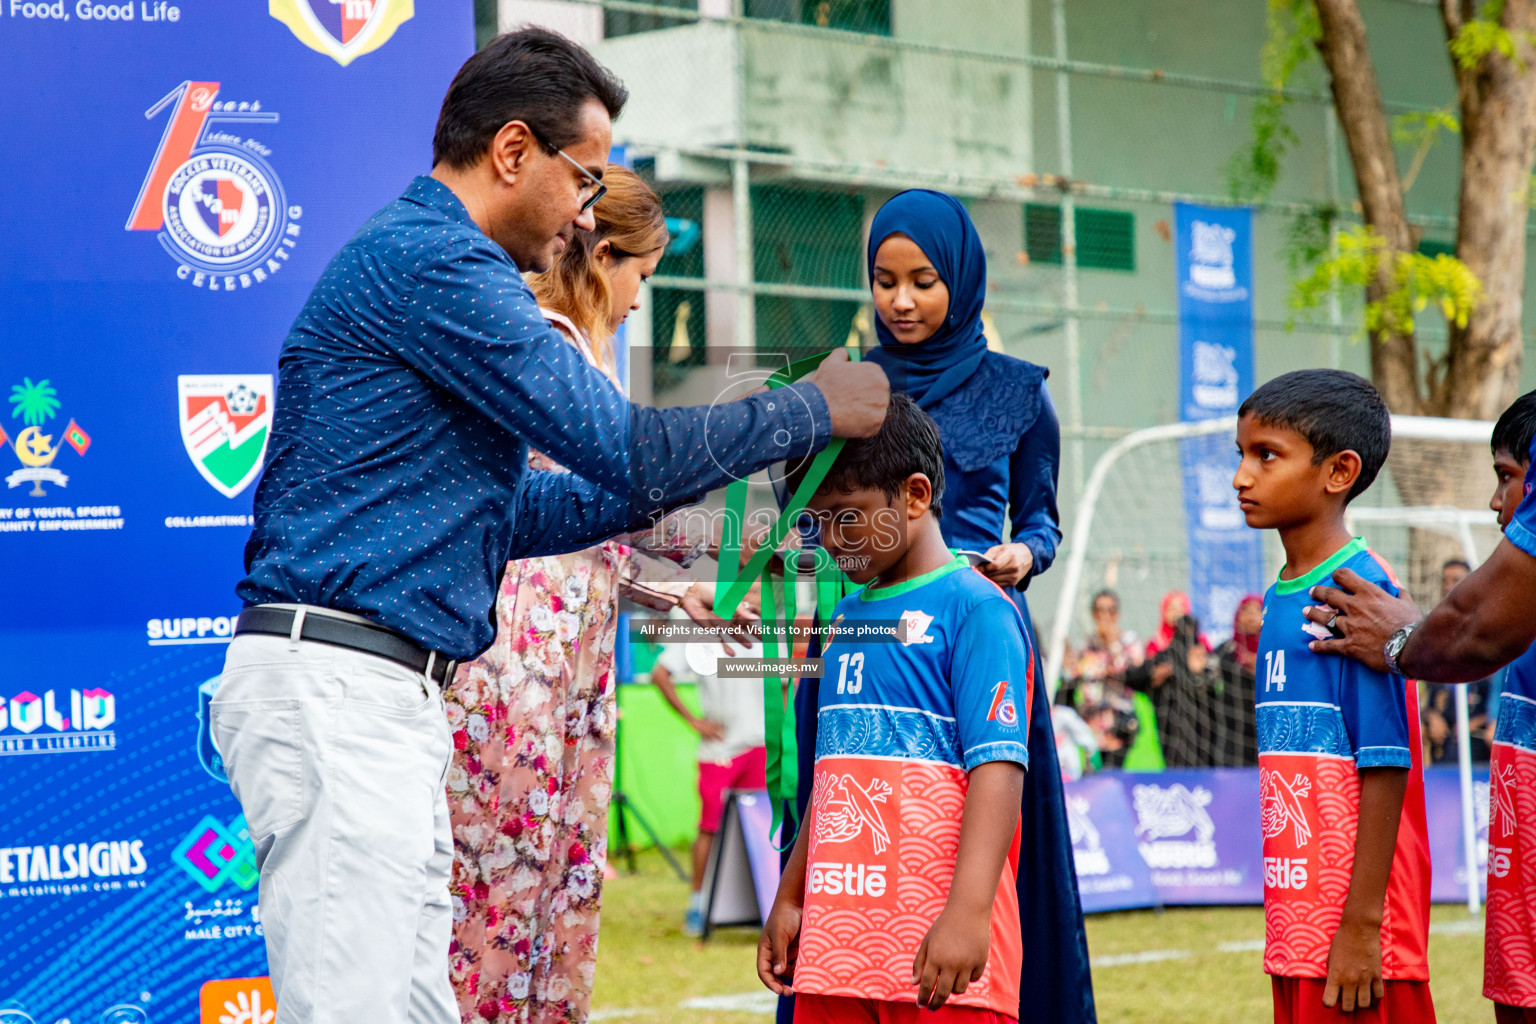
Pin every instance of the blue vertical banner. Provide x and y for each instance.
(177, 174)
(1215, 281)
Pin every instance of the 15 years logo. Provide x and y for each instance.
(343, 30)
(218, 206)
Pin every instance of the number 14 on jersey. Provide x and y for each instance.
(1274, 670)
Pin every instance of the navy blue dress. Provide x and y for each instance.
(1002, 446)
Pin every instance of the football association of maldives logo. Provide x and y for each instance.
(225, 421)
(343, 30)
(219, 208)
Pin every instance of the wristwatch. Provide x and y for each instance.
(1395, 644)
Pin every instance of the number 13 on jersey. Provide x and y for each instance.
(855, 661)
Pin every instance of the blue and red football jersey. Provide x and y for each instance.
(899, 726)
(1509, 961)
(1321, 720)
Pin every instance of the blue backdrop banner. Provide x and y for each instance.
(1214, 248)
(176, 177)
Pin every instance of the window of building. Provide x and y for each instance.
(625, 23)
(806, 237)
(872, 17)
(678, 335)
(1106, 239)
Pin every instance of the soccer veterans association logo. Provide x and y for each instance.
(343, 30)
(225, 422)
(218, 206)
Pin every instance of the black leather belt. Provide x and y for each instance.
(355, 636)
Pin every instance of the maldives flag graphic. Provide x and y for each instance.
(225, 422)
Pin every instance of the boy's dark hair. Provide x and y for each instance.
(532, 75)
(908, 442)
(1516, 428)
(1335, 411)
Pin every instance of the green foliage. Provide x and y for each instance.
(1417, 281)
(1423, 127)
(1483, 35)
(1293, 32)
(34, 402)
(1307, 238)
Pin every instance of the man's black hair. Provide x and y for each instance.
(1335, 411)
(532, 75)
(908, 442)
(1516, 428)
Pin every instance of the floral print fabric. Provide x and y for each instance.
(533, 729)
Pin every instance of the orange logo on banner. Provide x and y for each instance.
(238, 1001)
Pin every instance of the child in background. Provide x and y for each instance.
(1346, 854)
(1509, 952)
(900, 893)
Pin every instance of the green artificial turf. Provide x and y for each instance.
(648, 969)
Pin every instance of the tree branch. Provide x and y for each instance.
(1357, 99)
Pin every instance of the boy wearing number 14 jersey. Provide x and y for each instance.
(900, 891)
(1341, 786)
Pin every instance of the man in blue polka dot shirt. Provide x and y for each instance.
(411, 386)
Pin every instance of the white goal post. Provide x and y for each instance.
(1423, 448)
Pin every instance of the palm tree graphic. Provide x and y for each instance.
(34, 403)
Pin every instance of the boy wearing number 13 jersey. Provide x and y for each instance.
(900, 890)
(1341, 786)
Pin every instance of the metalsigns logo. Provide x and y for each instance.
(214, 853)
(343, 30)
(35, 405)
(225, 421)
(218, 205)
(32, 724)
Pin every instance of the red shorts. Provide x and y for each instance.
(813, 1009)
(746, 771)
(1300, 1001)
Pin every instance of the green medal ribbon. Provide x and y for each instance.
(778, 596)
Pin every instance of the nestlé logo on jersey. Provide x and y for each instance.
(218, 206)
(45, 724)
(848, 812)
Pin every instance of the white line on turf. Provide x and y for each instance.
(745, 1002)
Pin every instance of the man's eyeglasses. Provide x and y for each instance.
(594, 184)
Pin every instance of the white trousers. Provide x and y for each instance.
(339, 760)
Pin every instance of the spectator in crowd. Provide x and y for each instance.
(1095, 681)
(1439, 713)
(1234, 742)
(731, 750)
(1179, 680)
(1175, 606)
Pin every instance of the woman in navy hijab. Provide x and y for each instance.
(1002, 445)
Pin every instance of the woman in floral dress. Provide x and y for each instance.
(533, 717)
